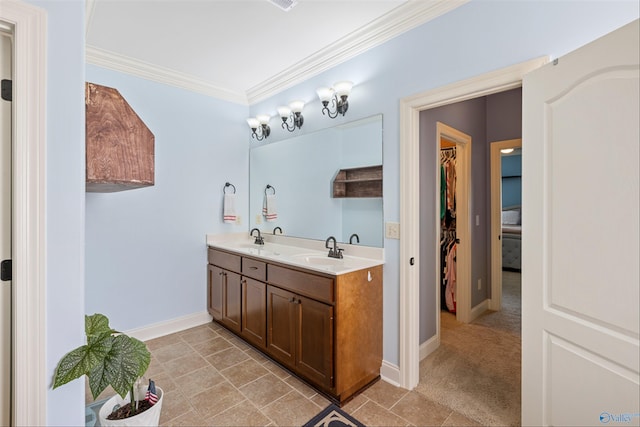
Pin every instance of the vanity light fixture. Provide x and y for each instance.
(337, 95)
(259, 126)
(294, 113)
(506, 150)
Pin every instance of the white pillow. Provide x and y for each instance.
(511, 217)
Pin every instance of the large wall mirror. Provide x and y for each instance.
(300, 172)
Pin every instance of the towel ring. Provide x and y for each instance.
(269, 187)
(227, 184)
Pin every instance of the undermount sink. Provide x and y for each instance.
(320, 260)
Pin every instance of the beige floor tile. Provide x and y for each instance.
(227, 358)
(371, 414)
(244, 372)
(212, 346)
(276, 369)
(240, 344)
(171, 352)
(291, 410)
(199, 380)
(458, 420)
(217, 399)
(355, 403)
(164, 341)
(300, 386)
(155, 368)
(191, 418)
(421, 411)
(174, 404)
(198, 334)
(265, 390)
(385, 394)
(185, 364)
(243, 414)
(320, 400)
(164, 380)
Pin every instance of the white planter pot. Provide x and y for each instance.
(150, 417)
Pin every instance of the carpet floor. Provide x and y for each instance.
(476, 369)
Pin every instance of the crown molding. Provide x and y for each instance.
(399, 20)
(145, 70)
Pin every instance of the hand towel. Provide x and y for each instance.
(269, 208)
(229, 208)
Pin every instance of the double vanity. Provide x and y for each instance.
(318, 316)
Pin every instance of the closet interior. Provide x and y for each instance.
(448, 239)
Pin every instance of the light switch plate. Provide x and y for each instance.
(392, 230)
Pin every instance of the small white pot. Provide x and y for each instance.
(150, 417)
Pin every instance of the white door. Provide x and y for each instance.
(580, 272)
(5, 234)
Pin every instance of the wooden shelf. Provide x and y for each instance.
(358, 182)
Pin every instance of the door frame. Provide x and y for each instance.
(463, 218)
(30, 376)
(410, 108)
(495, 302)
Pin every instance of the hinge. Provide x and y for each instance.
(5, 270)
(7, 90)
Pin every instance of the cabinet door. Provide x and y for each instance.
(232, 295)
(281, 325)
(215, 281)
(254, 311)
(315, 341)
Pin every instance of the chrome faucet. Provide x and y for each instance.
(277, 228)
(259, 239)
(351, 238)
(334, 252)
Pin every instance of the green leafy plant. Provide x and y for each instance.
(109, 358)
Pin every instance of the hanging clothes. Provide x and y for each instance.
(448, 228)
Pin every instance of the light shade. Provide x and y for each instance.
(263, 119)
(343, 88)
(296, 106)
(253, 122)
(284, 112)
(506, 150)
(325, 94)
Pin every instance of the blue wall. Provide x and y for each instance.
(511, 180)
(145, 251)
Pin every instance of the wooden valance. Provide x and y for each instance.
(119, 146)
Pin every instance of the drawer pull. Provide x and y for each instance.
(253, 268)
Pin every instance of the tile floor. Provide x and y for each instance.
(212, 378)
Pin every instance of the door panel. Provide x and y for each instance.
(254, 311)
(315, 341)
(232, 295)
(581, 281)
(281, 325)
(214, 291)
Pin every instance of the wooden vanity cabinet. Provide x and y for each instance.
(327, 329)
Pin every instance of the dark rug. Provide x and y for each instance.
(333, 416)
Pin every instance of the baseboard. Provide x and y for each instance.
(171, 326)
(478, 310)
(429, 346)
(390, 373)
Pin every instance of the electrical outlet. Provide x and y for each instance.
(238, 220)
(479, 284)
(258, 219)
(392, 230)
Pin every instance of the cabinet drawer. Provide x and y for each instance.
(254, 269)
(224, 260)
(307, 284)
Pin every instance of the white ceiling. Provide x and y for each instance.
(243, 50)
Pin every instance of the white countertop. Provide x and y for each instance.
(305, 253)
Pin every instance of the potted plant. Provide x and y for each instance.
(110, 358)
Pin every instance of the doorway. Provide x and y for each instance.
(6, 43)
(511, 218)
(410, 108)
